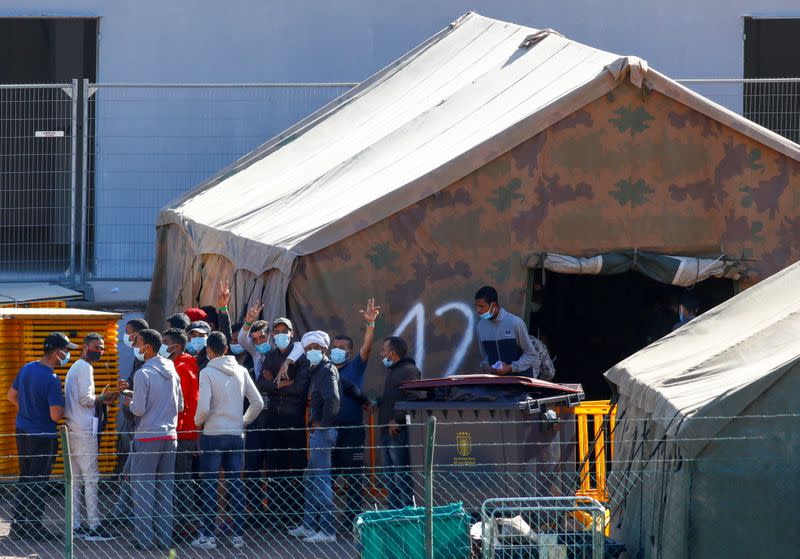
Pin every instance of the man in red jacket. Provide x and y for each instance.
(186, 491)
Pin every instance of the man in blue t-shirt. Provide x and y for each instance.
(37, 394)
(348, 454)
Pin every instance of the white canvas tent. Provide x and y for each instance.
(708, 444)
(468, 94)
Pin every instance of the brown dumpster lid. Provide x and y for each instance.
(489, 380)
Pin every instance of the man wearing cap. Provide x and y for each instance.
(36, 392)
(198, 332)
(318, 511)
(84, 427)
(282, 426)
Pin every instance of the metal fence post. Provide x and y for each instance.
(84, 178)
(429, 444)
(68, 541)
(73, 230)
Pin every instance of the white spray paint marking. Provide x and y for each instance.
(416, 314)
(461, 351)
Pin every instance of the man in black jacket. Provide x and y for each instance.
(394, 432)
(318, 511)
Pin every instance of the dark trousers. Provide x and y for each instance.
(285, 439)
(255, 461)
(396, 468)
(187, 488)
(348, 463)
(37, 454)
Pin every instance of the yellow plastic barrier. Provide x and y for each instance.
(593, 456)
(22, 333)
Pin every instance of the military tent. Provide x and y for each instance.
(489, 150)
(707, 451)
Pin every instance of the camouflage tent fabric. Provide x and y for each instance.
(417, 204)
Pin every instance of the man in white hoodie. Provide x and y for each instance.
(157, 399)
(223, 385)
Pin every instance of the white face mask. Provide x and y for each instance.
(138, 354)
(126, 339)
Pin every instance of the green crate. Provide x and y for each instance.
(400, 534)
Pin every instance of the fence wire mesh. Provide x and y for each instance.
(37, 181)
(199, 498)
(80, 200)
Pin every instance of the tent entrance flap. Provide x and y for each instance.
(592, 322)
(674, 270)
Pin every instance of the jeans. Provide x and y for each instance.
(318, 510)
(348, 462)
(37, 453)
(152, 483)
(222, 453)
(396, 467)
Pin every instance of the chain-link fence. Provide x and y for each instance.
(359, 492)
(86, 167)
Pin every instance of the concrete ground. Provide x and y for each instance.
(264, 543)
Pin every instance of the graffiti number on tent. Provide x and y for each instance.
(416, 314)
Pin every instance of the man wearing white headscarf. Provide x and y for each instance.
(318, 513)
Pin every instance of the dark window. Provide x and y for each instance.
(770, 51)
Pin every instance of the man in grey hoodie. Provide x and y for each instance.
(156, 401)
(224, 384)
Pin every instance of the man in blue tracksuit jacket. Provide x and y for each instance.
(506, 348)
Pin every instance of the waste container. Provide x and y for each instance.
(496, 436)
(400, 534)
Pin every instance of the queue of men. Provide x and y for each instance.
(205, 398)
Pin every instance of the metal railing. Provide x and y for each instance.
(85, 168)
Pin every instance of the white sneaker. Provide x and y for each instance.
(237, 542)
(203, 542)
(301, 532)
(321, 537)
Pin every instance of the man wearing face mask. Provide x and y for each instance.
(173, 346)
(128, 424)
(318, 512)
(283, 423)
(348, 456)
(687, 310)
(157, 400)
(83, 430)
(36, 392)
(394, 432)
(506, 347)
(198, 335)
(243, 358)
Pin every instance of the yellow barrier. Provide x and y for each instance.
(22, 333)
(592, 457)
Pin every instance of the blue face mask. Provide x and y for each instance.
(163, 351)
(263, 349)
(237, 349)
(196, 345)
(314, 356)
(282, 340)
(65, 360)
(137, 353)
(488, 314)
(338, 356)
(126, 339)
(387, 362)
